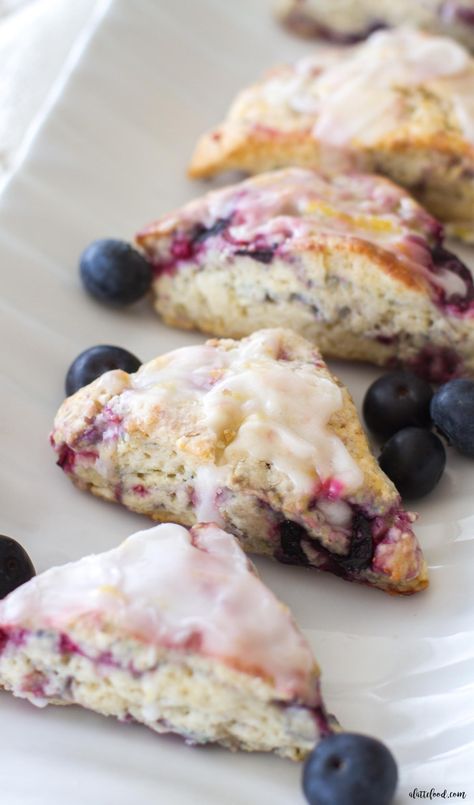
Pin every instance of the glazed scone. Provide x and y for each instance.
(172, 629)
(256, 436)
(353, 263)
(400, 104)
(349, 21)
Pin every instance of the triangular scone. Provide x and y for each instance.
(172, 629)
(351, 262)
(350, 21)
(255, 435)
(398, 104)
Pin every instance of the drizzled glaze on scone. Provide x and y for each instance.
(400, 104)
(345, 22)
(179, 589)
(172, 629)
(358, 97)
(265, 217)
(252, 435)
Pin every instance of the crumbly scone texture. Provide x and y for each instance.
(348, 21)
(121, 440)
(424, 144)
(173, 629)
(168, 691)
(352, 263)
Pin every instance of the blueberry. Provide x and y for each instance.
(452, 409)
(260, 255)
(202, 233)
(395, 401)
(414, 459)
(361, 548)
(16, 566)
(350, 769)
(291, 536)
(113, 272)
(94, 361)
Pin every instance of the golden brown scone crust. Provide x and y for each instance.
(353, 267)
(425, 149)
(349, 21)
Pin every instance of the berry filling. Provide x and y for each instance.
(465, 15)
(140, 490)
(14, 637)
(66, 457)
(41, 685)
(303, 24)
(437, 364)
(106, 426)
(361, 549)
(265, 221)
(460, 299)
(294, 538)
(260, 255)
(202, 233)
(297, 546)
(189, 245)
(452, 10)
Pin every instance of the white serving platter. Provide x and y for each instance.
(109, 156)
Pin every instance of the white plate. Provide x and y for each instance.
(110, 157)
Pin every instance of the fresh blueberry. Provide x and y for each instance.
(16, 566)
(350, 769)
(452, 409)
(114, 272)
(93, 362)
(414, 459)
(395, 401)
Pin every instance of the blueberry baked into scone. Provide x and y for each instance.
(256, 436)
(400, 104)
(349, 21)
(172, 629)
(351, 262)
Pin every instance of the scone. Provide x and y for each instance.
(400, 104)
(172, 629)
(352, 263)
(256, 436)
(349, 21)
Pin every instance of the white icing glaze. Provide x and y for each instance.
(176, 588)
(280, 416)
(295, 203)
(354, 92)
(208, 481)
(252, 405)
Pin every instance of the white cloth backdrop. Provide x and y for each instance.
(39, 42)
